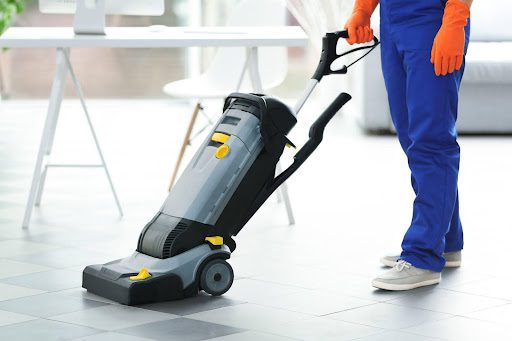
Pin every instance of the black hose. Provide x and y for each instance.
(316, 135)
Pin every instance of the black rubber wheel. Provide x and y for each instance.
(217, 277)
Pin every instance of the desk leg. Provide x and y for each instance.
(78, 89)
(58, 101)
(254, 72)
(48, 132)
(51, 134)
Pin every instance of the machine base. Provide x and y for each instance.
(165, 287)
(171, 279)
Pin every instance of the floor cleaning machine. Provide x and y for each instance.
(184, 248)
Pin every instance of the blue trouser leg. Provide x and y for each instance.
(454, 239)
(395, 78)
(424, 110)
(396, 85)
(433, 159)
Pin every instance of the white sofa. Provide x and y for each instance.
(486, 91)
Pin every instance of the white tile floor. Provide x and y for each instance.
(307, 282)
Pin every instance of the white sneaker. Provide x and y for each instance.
(404, 276)
(453, 259)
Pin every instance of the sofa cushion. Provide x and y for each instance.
(489, 63)
(490, 20)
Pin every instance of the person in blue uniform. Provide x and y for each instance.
(423, 44)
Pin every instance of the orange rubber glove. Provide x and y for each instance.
(448, 49)
(358, 26)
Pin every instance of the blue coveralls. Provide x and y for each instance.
(424, 111)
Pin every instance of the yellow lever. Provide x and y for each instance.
(216, 240)
(220, 137)
(143, 274)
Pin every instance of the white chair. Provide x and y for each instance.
(228, 71)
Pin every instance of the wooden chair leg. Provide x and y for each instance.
(184, 145)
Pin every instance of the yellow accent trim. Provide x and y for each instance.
(290, 146)
(220, 137)
(217, 240)
(143, 274)
(222, 151)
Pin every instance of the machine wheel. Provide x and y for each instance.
(217, 277)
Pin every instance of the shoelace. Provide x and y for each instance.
(401, 264)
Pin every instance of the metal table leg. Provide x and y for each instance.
(48, 131)
(45, 148)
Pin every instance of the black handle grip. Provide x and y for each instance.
(329, 55)
(342, 34)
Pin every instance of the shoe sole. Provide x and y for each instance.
(453, 264)
(403, 287)
(450, 264)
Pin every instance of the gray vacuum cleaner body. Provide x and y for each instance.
(184, 248)
(210, 203)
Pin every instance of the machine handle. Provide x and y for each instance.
(316, 135)
(329, 55)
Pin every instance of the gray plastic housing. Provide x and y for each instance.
(207, 184)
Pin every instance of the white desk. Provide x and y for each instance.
(63, 39)
(143, 37)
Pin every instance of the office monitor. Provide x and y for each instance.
(90, 14)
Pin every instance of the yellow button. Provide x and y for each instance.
(143, 274)
(216, 240)
(222, 151)
(220, 137)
